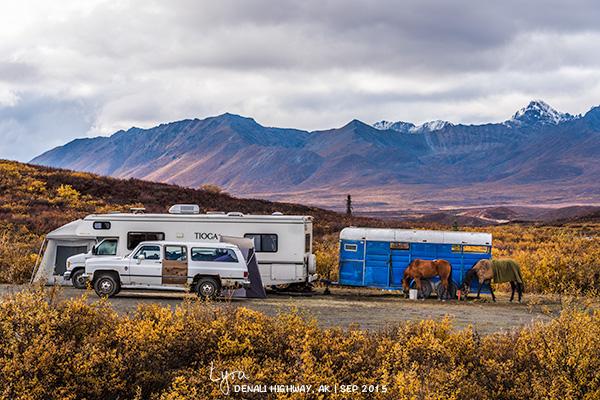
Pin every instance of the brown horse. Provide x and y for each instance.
(422, 269)
(498, 270)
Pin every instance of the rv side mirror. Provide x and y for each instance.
(140, 258)
(94, 250)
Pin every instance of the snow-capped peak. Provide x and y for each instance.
(399, 126)
(383, 125)
(432, 126)
(539, 112)
(407, 127)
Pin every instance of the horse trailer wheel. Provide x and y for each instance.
(77, 279)
(207, 288)
(106, 285)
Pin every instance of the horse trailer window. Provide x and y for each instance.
(456, 248)
(264, 242)
(101, 225)
(475, 249)
(135, 238)
(399, 246)
(350, 247)
(213, 254)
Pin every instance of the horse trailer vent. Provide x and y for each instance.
(184, 209)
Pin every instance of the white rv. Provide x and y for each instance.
(283, 243)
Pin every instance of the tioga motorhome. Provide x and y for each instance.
(283, 243)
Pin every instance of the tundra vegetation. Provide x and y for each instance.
(68, 349)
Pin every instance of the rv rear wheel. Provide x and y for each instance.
(79, 282)
(207, 288)
(106, 285)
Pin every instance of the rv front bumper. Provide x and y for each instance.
(313, 278)
(67, 276)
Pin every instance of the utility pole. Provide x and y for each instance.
(349, 206)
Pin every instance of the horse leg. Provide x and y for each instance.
(520, 290)
(479, 289)
(491, 290)
(512, 288)
(418, 285)
(446, 286)
(405, 286)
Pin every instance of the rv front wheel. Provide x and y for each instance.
(79, 282)
(106, 285)
(207, 288)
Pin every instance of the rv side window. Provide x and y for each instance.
(107, 247)
(307, 243)
(213, 254)
(150, 252)
(350, 247)
(135, 238)
(264, 242)
(101, 225)
(175, 253)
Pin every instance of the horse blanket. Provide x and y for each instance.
(506, 271)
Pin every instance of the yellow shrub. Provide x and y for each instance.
(51, 349)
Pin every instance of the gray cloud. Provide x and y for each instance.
(71, 68)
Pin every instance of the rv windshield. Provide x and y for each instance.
(107, 247)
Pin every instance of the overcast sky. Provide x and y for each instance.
(72, 68)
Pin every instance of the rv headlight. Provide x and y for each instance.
(68, 264)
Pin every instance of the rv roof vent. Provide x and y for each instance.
(235, 214)
(184, 209)
(137, 210)
(277, 213)
(215, 212)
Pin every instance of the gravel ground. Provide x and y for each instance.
(367, 308)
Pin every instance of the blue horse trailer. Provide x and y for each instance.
(371, 257)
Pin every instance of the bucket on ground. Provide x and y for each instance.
(412, 294)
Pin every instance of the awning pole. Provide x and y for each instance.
(38, 262)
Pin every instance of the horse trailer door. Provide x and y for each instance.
(377, 264)
(400, 258)
(352, 254)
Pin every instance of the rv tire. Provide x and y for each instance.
(207, 288)
(106, 285)
(77, 280)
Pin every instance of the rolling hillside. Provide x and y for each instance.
(539, 156)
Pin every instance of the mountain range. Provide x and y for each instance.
(539, 156)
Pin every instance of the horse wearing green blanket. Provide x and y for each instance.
(503, 270)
